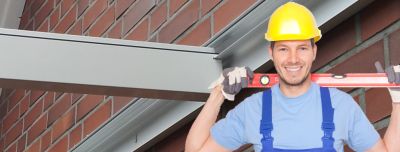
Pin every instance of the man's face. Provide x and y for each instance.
(293, 60)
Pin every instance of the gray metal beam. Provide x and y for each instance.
(79, 64)
(10, 13)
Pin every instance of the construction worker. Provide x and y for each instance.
(295, 115)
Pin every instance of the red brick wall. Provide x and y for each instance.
(53, 121)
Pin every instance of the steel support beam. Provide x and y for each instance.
(88, 65)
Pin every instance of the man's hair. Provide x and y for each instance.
(272, 45)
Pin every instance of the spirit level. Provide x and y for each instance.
(351, 80)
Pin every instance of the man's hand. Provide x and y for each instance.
(393, 74)
(232, 80)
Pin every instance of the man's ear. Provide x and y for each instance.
(270, 53)
(315, 52)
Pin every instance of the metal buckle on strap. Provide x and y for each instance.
(266, 126)
(328, 126)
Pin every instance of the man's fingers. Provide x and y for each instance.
(379, 67)
(227, 70)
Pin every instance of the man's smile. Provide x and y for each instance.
(293, 69)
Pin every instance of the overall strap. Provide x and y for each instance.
(327, 121)
(266, 121)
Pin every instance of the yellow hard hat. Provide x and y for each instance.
(292, 21)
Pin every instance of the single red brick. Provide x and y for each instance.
(76, 97)
(103, 23)
(82, 5)
(76, 29)
(382, 132)
(62, 125)
(180, 23)
(362, 62)
(44, 27)
(21, 143)
(10, 119)
(35, 147)
(199, 35)
(207, 5)
(57, 95)
(94, 12)
(378, 103)
(30, 26)
(65, 5)
(140, 33)
(35, 6)
(158, 17)
(61, 145)
(347, 149)
(24, 105)
(122, 5)
(174, 5)
(13, 133)
(3, 111)
(35, 95)
(377, 15)
(59, 108)
(24, 20)
(15, 98)
(46, 140)
(97, 118)
(334, 43)
(116, 31)
(33, 114)
(230, 11)
(48, 100)
(87, 104)
(120, 102)
(43, 13)
(67, 21)
(394, 47)
(75, 136)
(12, 148)
(134, 15)
(37, 128)
(54, 18)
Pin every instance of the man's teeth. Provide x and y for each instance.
(296, 69)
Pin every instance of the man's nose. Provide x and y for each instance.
(293, 57)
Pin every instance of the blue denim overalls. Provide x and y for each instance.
(327, 125)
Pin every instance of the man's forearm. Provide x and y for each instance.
(200, 130)
(392, 135)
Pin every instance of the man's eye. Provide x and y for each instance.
(282, 49)
(303, 49)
